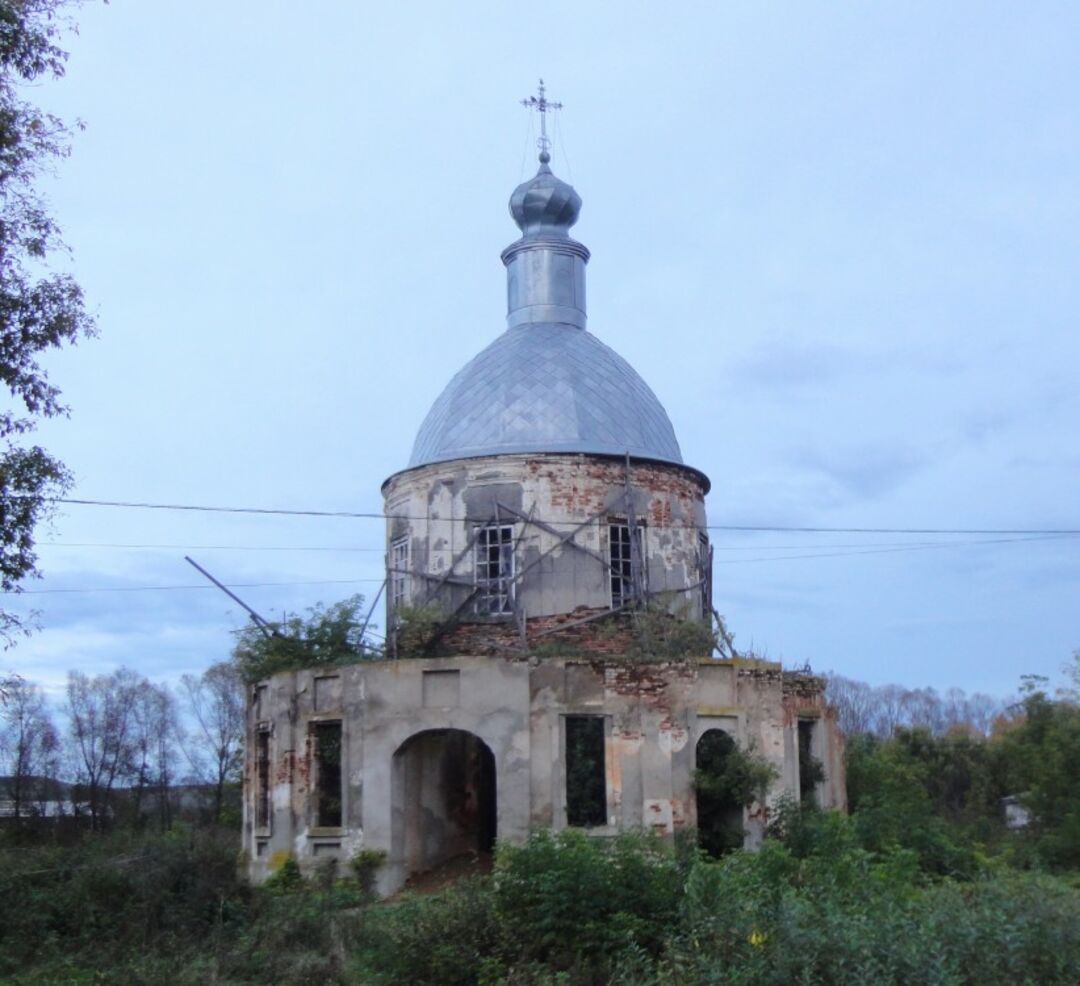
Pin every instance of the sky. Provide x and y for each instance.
(839, 241)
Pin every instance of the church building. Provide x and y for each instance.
(549, 660)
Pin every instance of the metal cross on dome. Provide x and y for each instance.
(542, 104)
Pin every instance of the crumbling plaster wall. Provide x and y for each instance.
(654, 714)
(437, 507)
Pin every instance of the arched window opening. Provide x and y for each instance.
(719, 789)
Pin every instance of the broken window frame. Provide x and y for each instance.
(493, 569)
(587, 799)
(327, 790)
(263, 812)
(399, 572)
(622, 562)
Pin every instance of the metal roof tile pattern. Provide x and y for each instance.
(546, 387)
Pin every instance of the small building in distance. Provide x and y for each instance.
(549, 598)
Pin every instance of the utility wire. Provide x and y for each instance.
(172, 588)
(882, 551)
(861, 546)
(203, 547)
(202, 508)
(746, 528)
(728, 561)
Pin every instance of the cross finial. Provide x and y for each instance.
(542, 104)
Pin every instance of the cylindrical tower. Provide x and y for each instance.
(546, 494)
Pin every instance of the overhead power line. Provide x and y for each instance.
(885, 550)
(746, 528)
(203, 508)
(862, 546)
(863, 550)
(206, 547)
(173, 588)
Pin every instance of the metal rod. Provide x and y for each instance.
(554, 533)
(635, 548)
(262, 624)
(367, 619)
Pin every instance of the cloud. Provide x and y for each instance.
(785, 365)
(863, 472)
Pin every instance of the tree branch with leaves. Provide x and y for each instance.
(41, 308)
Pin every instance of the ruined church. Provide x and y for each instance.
(548, 582)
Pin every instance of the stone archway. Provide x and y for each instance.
(443, 795)
(719, 814)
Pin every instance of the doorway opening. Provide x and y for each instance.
(444, 804)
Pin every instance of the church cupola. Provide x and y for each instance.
(546, 486)
(545, 269)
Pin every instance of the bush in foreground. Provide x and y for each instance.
(562, 909)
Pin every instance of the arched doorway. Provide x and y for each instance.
(443, 790)
(719, 813)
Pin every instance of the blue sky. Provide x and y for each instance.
(838, 240)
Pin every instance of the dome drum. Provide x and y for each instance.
(558, 528)
(545, 282)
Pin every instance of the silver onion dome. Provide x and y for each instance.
(545, 204)
(546, 384)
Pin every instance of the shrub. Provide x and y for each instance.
(416, 628)
(441, 940)
(572, 900)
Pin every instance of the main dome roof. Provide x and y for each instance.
(546, 384)
(546, 387)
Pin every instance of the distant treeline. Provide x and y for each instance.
(133, 752)
(882, 709)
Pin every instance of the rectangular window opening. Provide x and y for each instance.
(399, 572)
(586, 775)
(326, 780)
(627, 563)
(494, 570)
(262, 779)
(811, 770)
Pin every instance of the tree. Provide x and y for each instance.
(40, 308)
(100, 713)
(216, 703)
(329, 635)
(29, 745)
(154, 727)
(727, 779)
(1040, 751)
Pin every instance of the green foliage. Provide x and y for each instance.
(364, 864)
(286, 879)
(941, 795)
(841, 915)
(897, 800)
(106, 897)
(1040, 758)
(416, 628)
(39, 310)
(328, 635)
(560, 908)
(664, 631)
(816, 907)
(726, 780)
(569, 900)
(441, 940)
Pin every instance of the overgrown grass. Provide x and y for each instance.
(562, 909)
